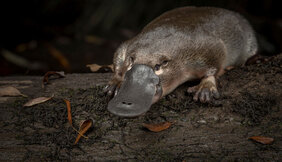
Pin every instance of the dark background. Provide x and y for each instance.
(41, 35)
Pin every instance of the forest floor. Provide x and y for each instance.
(250, 105)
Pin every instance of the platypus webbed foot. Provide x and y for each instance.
(206, 91)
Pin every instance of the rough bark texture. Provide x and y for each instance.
(250, 105)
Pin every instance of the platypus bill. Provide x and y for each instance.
(180, 45)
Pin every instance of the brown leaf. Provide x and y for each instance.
(94, 39)
(111, 67)
(21, 47)
(69, 111)
(157, 127)
(59, 56)
(94, 67)
(101, 68)
(47, 75)
(262, 139)
(10, 91)
(36, 101)
(83, 128)
(25, 46)
(70, 118)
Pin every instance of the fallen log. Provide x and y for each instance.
(250, 105)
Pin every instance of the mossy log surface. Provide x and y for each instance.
(250, 105)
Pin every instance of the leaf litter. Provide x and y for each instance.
(84, 126)
(59, 56)
(157, 127)
(100, 68)
(262, 139)
(69, 111)
(36, 101)
(10, 91)
(47, 75)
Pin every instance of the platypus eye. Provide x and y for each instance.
(157, 67)
(165, 63)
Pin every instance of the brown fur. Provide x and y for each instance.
(188, 43)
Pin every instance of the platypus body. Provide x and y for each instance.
(180, 45)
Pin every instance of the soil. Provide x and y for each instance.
(250, 105)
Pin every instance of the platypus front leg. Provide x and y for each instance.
(121, 64)
(206, 91)
(113, 85)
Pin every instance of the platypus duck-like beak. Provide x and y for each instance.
(139, 90)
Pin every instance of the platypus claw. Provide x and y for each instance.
(110, 90)
(204, 94)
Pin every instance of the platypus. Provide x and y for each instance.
(180, 45)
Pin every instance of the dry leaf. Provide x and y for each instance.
(101, 68)
(10, 91)
(94, 39)
(59, 56)
(36, 101)
(15, 59)
(157, 127)
(262, 139)
(22, 61)
(69, 110)
(94, 67)
(111, 67)
(25, 46)
(83, 128)
(47, 75)
(70, 118)
(21, 47)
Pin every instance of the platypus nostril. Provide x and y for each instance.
(126, 103)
